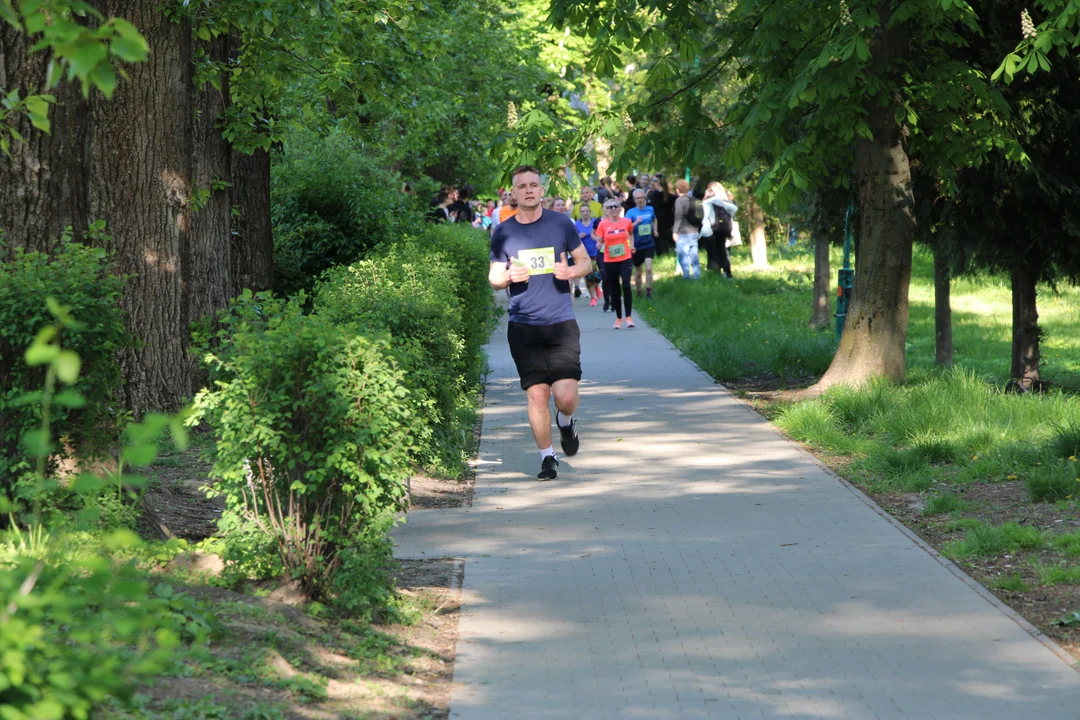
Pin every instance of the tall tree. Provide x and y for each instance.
(141, 170)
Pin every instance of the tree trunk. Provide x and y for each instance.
(758, 255)
(876, 329)
(821, 316)
(43, 185)
(1025, 337)
(253, 240)
(141, 164)
(210, 269)
(942, 308)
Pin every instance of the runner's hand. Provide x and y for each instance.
(519, 273)
(563, 271)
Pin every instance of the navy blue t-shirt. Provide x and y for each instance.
(543, 300)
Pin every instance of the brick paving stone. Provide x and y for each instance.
(690, 562)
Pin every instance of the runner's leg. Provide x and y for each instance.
(648, 274)
(612, 273)
(628, 293)
(540, 414)
(566, 395)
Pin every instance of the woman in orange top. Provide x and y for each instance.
(615, 236)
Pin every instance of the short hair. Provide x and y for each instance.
(639, 191)
(605, 181)
(585, 206)
(631, 179)
(682, 185)
(520, 169)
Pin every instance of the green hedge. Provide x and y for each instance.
(432, 297)
(330, 204)
(82, 278)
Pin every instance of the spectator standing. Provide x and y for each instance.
(685, 230)
(439, 210)
(662, 200)
(719, 210)
(604, 193)
(643, 219)
(628, 199)
(461, 207)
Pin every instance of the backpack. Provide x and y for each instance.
(697, 213)
(721, 224)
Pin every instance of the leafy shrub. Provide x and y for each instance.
(330, 204)
(312, 431)
(72, 635)
(83, 277)
(432, 296)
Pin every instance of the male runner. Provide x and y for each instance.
(644, 220)
(529, 256)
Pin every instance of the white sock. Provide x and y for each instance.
(549, 450)
(563, 420)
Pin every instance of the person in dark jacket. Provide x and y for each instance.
(662, 201)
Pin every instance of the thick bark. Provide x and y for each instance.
(821, 314)
(943, 339)
(43, 185)
(209, 271)
(1025, 336)
(876, 329)
(253, 241)
(141, 164)
(758, 254)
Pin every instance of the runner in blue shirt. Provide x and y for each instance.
(644, 219)
(529, 256)
(584, 230)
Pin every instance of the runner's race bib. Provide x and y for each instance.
(539, 261)
(645, 229)
(617, 250)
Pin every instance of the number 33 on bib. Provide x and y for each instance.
(539, 261)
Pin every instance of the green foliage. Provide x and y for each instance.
(1058, 574)
(1053, 481)
(1013, 582)
(986, 540)
(944, 503)
(312, 434)
(1069, 543)
(362, 585)
(330, 204)
(754, 327)
(432, 297)
(83, 277)
(77, 626)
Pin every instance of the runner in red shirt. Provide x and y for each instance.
(615, 236)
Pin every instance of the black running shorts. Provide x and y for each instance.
(639, 256)
(545, 353)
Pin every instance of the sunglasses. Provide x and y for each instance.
(611, 207)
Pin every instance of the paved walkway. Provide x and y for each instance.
(690, 562)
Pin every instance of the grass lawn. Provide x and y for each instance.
(990, 479)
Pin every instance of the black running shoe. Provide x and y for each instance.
(577, 292)
(549, 470)
(569, 438)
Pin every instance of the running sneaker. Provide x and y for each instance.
(549, 469)
(577, 292)
(592, 303)
(648, 293)
(639, 292)
(618, 323)
(569, 438)
(629, 322)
